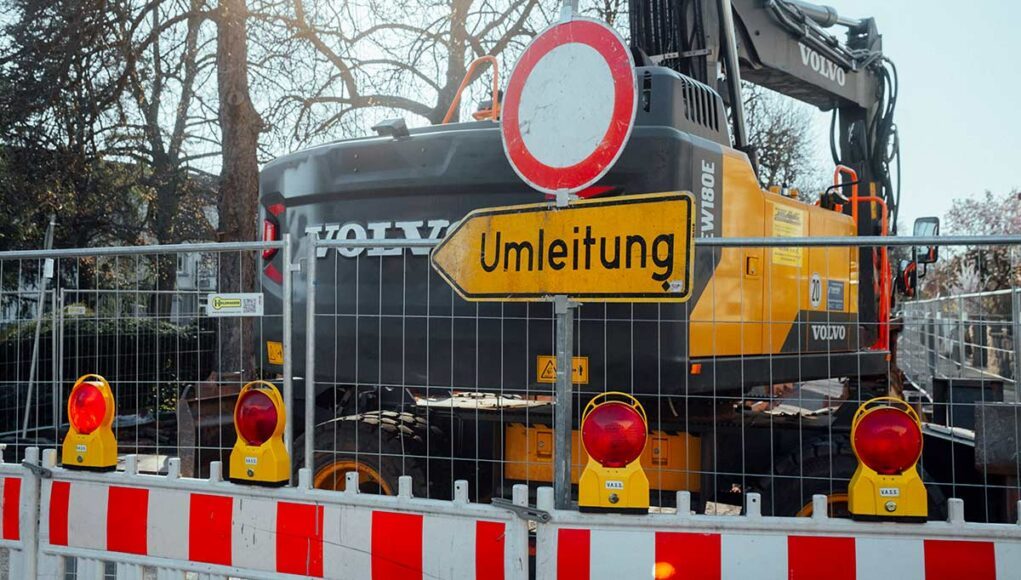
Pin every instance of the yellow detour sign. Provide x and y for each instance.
(635, 248)
(546, 369)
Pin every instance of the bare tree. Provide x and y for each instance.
(164, 132)
(403, 56)
(613, 12)
(240, 126)
(977, 269)
(780, 131)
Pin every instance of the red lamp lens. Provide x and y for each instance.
(86, 408)
(255, 417)
(888, 440)
(270, 233)
(614, 434)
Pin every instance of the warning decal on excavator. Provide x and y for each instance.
(546, 369)
(788, 222)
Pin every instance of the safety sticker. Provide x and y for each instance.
(546, 369)
(788, 222)
(834, 295)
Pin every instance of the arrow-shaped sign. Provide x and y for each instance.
(624, 249)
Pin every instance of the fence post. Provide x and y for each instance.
(58, 354)
(932, 341)
(44, 281)
(58, 314)
(310, 350)
(1016, 337)
(285, 321)
(564, 314)
(960, 332)
(29, 516)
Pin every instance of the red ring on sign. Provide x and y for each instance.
(605, 41)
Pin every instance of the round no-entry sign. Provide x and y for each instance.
(569, 106)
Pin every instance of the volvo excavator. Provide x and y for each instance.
(410, 379)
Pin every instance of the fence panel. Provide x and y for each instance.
(400, 360)
(140, 317)
(749, 386)
(966, 336)
(739, 383)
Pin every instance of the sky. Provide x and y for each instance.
(959, 110)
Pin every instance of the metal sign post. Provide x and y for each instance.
(563, 310)
(568, 113)
(568, 9)
(48, 267)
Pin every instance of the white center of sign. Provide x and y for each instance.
(566, 105)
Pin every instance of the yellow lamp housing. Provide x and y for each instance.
(90, 443)
(259, 455)
(886, 436)
(614, 431)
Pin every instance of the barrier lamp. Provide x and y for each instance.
(886, 436)
(90, 443)
(614, 431)
(259, 455)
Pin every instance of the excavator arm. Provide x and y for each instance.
(785, 48)
(793, 48)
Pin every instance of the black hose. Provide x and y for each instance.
(881, 137)
(833, 137)
(885, 142)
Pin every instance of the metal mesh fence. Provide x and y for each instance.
(410, 379)
(960, 357)
(139, 318)
(749, 386)
(965, 336)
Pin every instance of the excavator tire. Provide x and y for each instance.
(825, 466)
(380, 445)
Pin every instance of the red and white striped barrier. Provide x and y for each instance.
(583, 554)
(19, 505)
(223, 528)
(10, 509)
(590, 547)
(179, 525)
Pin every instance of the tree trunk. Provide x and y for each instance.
(240, 125)
(167, 193)
(456, 65)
